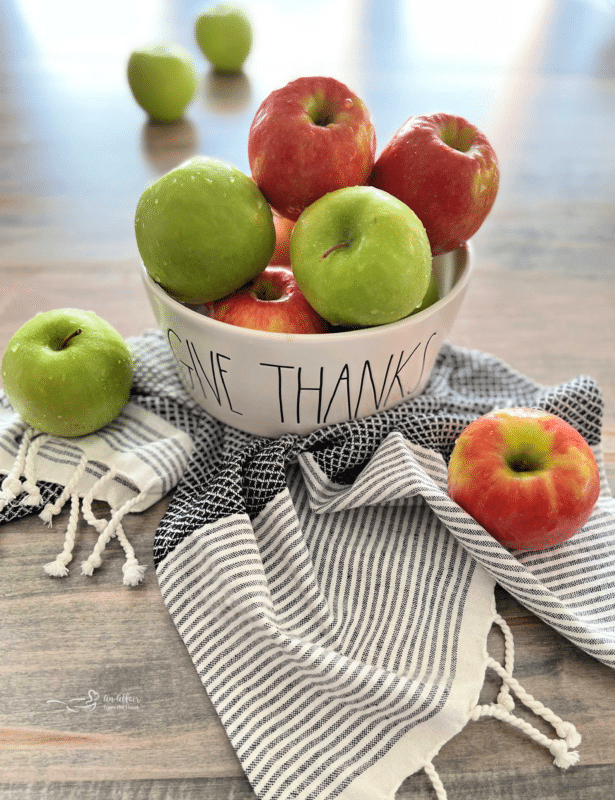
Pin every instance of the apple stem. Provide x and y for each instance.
(345, 243)
(68, 338)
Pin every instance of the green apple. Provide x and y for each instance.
(163, 81)
(203, 230)
(67, 372)
(361, 257)
(432, 295)
(224, 34)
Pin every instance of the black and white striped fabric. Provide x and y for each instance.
(335, 602)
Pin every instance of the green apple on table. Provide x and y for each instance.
(203, 230)
(67, 372)
(361, 257)
(224, 35)
(163, 81)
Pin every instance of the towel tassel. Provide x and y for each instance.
(568, 735)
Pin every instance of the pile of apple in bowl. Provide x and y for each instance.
(320, 288)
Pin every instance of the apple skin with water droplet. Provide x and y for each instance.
(310, 137)
(203, 230)
(361, 257)
(67, 372)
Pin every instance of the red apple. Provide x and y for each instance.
(527, 476)
(445, 169)
(308, 138)
(283, 229)
(271, 302)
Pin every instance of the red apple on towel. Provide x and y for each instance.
(527, 476)
(446, 170)
(308, 138)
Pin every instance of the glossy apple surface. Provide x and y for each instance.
(271, 302)
(361, 257)
(203, 230)
(163, 81)
(224, 35)
(446, 170)
(308, 138)
(283, 229)
(527, 476)
(432, 295)
(67, 372)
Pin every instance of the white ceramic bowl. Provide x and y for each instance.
(269, 384)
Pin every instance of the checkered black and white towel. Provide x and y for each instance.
(336, 603)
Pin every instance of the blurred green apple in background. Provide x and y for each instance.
(361, 257)
(203, 230)
(224, 34)
(163, 81)
(67, 372)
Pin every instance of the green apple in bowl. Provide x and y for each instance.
(203, 230)
(224, 35)
(361, 257)
(163, 81)
(67, 372)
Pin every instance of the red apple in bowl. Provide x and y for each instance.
(308, 138)
(446, 170)
(283, 229)
(527, 476)
(270, 302)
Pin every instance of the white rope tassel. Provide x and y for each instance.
(565, 730)
(95, 559)
(133, 571)
(58, 568)
(437, 784)
(564, 757)
(12, 486)
(33, 493)
(52, 509)
(504, 697)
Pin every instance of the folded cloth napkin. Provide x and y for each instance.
(335, 601)
(129, 464)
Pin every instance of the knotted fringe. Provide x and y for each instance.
(568, 735)
(560, 748)
(13, 486)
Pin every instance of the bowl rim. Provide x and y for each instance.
(357, 334)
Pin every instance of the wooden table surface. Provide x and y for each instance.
(76, 153)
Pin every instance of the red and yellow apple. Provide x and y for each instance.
(446, 170)
(270, 302)
(526, 476)
(308, 138)
(283, 229)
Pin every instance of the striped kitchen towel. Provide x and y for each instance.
(336, 603)
(129, 464)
